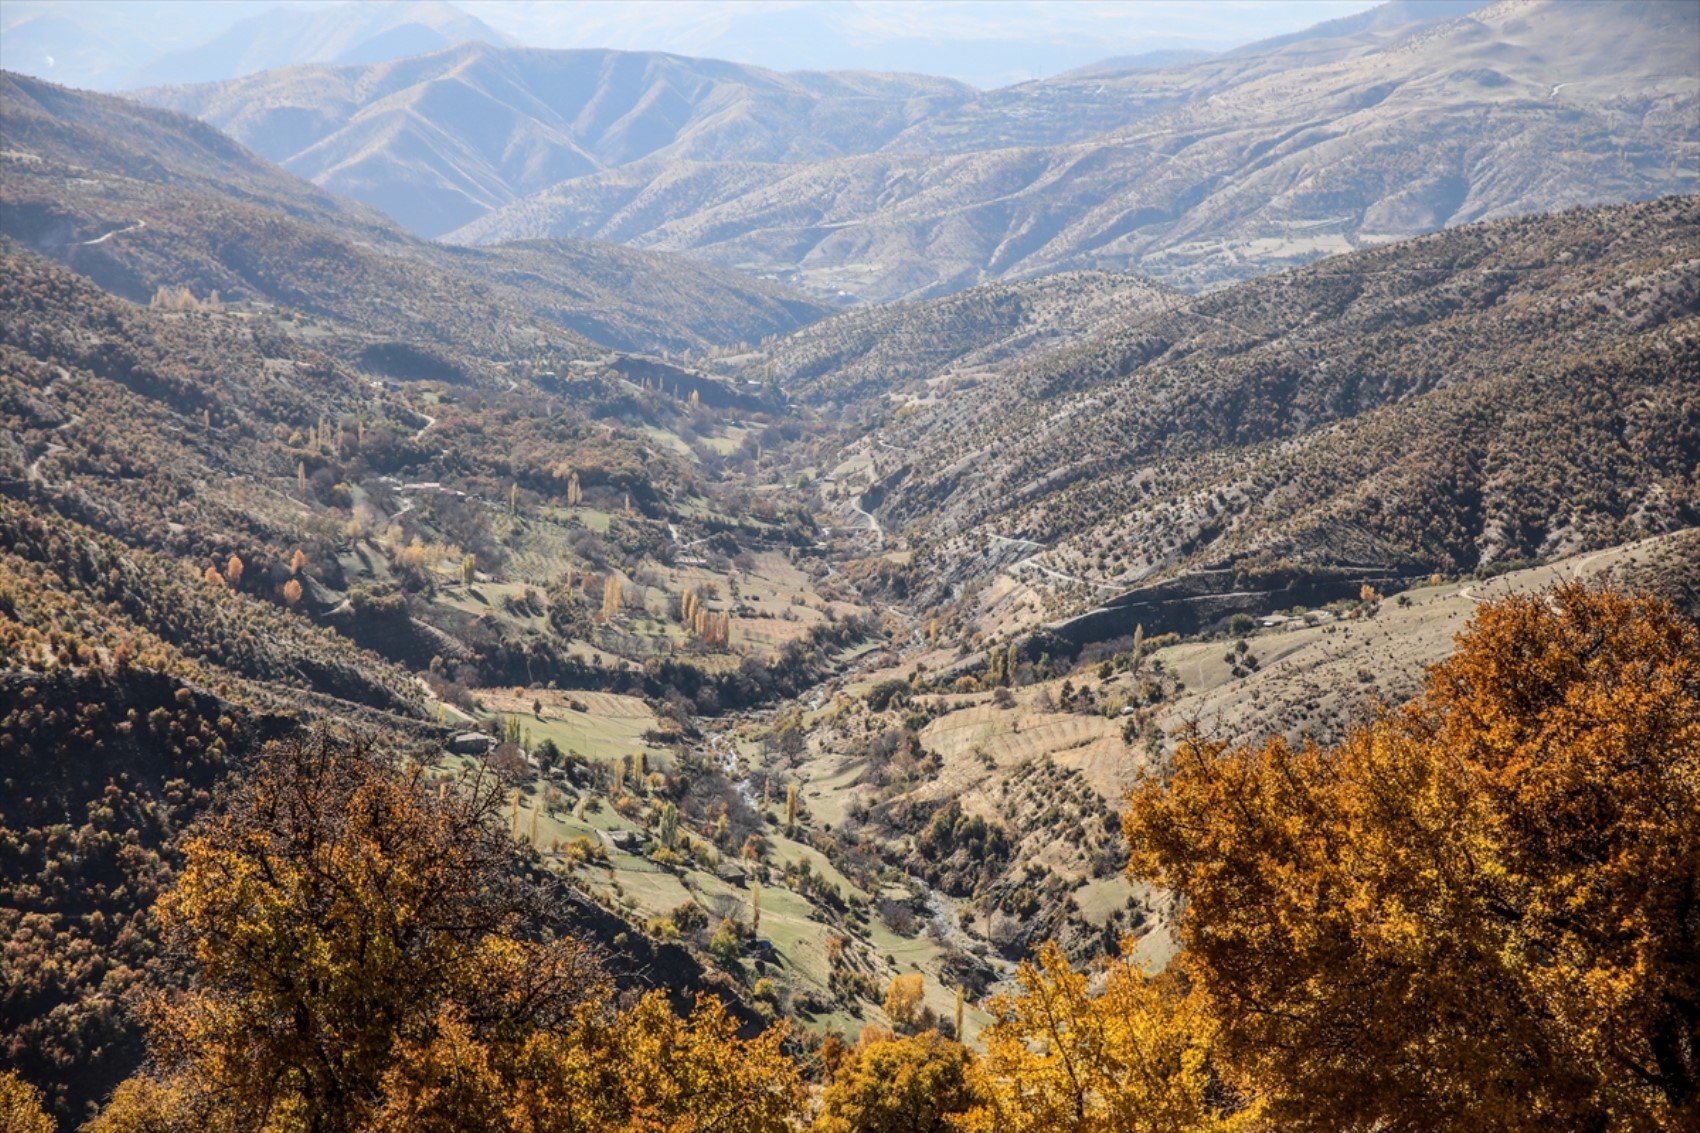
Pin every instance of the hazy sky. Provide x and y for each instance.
(985, 42)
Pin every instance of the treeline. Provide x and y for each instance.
(1474, 913)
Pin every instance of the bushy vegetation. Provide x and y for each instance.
(1502, 392)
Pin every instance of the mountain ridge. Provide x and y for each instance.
(1283, 165)
(141, 198)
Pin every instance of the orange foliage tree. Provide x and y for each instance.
(1481, 911)
(364, 952)
(894, 1084)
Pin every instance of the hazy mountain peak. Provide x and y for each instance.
(345, 33)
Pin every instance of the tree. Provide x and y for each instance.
(892, 1084)
(292, 592)
(1475, 912)
(649, 1069)
(468, 570)
(21, 1108)
(1136, 1058)
(337, 909)
(298, 561)
(233, 571)
(365, 951)
(903, 1000)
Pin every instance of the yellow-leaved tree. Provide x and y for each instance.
(21, 1106)
(1136, 1057)
(899, 1084)
(365, 951)
(1481, 911)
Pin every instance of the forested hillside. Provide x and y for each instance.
(1498, 393)
(215, 533)
(862, 355)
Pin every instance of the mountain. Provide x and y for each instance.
(948, 343)
(439, 140)
(797, 661)
(1235, 166)
(342, 33)
(1144, 61)
(109, 45)
(98, 44)
(139, 199)
(1501, 392)
(142, 448)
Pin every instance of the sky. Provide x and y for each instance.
(987, 43)
(984, 42)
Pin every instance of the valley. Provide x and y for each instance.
(805, 520)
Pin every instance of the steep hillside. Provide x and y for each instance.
(870, 352)
(212, 531)
(1316, 147)
(439, 140)
(1507, 391)
(138, 199)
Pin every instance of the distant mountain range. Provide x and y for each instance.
(341, 34)
(1393, 122)
(1232, 167)
(441, 140)
(116, 44)
(138, 199)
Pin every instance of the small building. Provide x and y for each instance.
(471, 743)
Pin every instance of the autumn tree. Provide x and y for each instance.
(896, 1084)
(21, 1106)
(233, 571)
(337, 909)
(648, 1069)
(903, 1000)
(1477, 912)
(365, 951)
(292, 592)
(1136, 1057)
